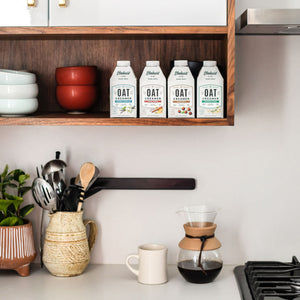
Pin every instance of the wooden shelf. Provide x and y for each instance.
(11, 32)
(102, 119)
(42, 49)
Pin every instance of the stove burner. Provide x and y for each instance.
(269, 280)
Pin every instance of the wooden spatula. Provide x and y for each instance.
(86, 174)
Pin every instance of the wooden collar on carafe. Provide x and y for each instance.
(198, 230)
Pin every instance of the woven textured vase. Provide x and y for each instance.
(17, 248)
(67, 248)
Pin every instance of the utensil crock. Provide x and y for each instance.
(67, 247)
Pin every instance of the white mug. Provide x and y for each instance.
(152, 267)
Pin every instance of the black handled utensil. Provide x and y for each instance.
(70, 198)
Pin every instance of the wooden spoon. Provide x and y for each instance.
(86, 174)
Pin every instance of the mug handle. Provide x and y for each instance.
(134, 271)
(92, 234)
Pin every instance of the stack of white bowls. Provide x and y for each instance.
(18, 93)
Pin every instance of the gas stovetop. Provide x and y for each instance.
(269, 280)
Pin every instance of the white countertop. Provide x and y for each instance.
(113, 282)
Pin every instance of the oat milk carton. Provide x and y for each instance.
(123, 93)
(181, 91)
(210, 91)
(153, 91)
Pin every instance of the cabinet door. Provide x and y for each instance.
(23, 13)
(138, 12)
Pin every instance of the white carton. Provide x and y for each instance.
(123, 96)
(181, 91)
(210, 91)
(153, 91)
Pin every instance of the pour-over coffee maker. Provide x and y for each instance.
(199, 259)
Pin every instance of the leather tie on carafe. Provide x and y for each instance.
(203, 239)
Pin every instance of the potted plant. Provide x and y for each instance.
(16, 236)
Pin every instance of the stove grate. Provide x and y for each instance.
(269, 280)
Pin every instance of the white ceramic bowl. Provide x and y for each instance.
(20, 91)
(17, 107)
(16, 77)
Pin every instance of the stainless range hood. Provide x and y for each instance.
(257, 21)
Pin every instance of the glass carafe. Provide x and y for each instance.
(199, 258)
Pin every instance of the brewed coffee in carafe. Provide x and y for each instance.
(199, 258)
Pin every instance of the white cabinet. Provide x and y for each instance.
(138, 13)
(23, 13)
(113, 12)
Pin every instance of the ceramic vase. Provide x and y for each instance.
(17, 248)
(67, 247)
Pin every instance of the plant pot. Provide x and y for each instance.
(17, 248)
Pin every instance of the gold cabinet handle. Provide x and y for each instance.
(62, 3)
(31, 3)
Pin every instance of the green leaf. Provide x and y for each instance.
(8, 178)
(11, 211)
(4, 204)
(14, 182)
(23, 190)
(20, 221)
(9, 184)
(24, 211)
(10, 221)
(14, 200)
(17, 202)
(1, 216)
(16, 174)
(22, 179)
(5, 171)
(12, 197)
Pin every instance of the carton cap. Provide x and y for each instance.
(123, 63)
(209, 63)
(152, 63)
(180, 63)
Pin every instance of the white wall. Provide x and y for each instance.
(251, 171)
